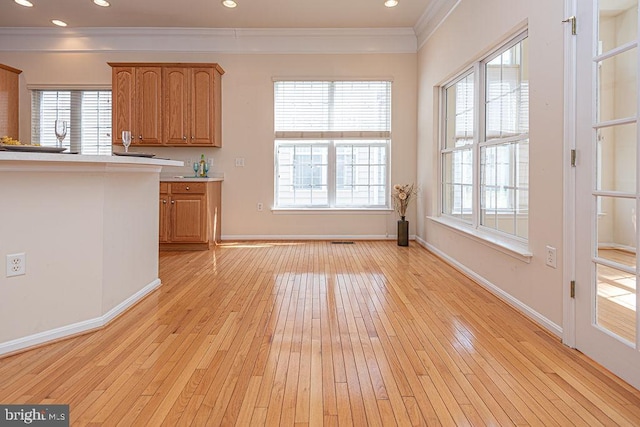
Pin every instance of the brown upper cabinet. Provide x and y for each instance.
(137, 102)
(9, 101)
(170, 104)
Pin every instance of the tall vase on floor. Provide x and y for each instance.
(403, 232)
(401, 196)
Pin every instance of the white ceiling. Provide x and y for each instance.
(211, 14)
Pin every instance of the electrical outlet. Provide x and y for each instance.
(259, 206)
(239, 162)
(550, 257)
(16, 264)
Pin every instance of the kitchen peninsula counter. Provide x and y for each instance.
(88, 226)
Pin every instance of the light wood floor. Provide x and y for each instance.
(315, 333)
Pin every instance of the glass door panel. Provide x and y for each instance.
(616, 302)
(618, 86)
(616, 230)
(607, 194)
(617, 23)
(616, 158)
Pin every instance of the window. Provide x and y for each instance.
(485, 143)
(332, 144)
(87, 112)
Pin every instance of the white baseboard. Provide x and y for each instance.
(504, 296)
(79, 327)
(270, 237)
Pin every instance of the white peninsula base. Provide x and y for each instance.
(88, 226)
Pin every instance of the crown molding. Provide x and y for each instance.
(434, 15)
(208, 40)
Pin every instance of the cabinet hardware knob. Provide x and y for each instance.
(139, 136)
(184, 138)
(187, 188)
(173, 202)
(193, 137)
(164, 202)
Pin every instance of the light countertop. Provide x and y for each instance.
(16, 156)
(173, 178)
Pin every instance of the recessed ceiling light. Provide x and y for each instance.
(59, 23)
(25, 3)
(229, 3)
(103, 3)
(391, 3)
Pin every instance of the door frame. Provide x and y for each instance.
(569, 177)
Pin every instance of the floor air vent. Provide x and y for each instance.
(342, 243)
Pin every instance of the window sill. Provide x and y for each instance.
(331, 211)
(517, 250)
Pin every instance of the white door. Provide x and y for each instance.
(607, 190)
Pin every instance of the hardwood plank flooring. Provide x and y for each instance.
(313, 333)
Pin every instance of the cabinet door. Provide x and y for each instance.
(9, 100)
(175, 86)
(202, 106)
(123, 107)
(188, 218)
(148, 97)
(164, 218)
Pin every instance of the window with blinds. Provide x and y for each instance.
(88, 116)
(332, 144)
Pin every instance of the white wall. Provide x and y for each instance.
(248, 127)
(470, 31)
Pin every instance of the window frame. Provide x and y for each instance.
(512, 242)
(333, 139)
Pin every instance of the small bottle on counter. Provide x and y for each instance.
(202, 168)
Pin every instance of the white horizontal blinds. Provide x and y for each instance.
(88, 116)
(96, 122)
(333, 109)
(507, 94)
(46, 108)
(463, 111)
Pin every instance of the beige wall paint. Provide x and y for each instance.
(470, 31)
(248, 127)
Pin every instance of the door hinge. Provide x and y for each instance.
(573, 289)
(572, 19)
(573, 158)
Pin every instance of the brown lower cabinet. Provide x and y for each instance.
(189, 215)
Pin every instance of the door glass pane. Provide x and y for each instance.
(618, 23)
(616, 153)
(617, 230)
(617, 86)
(616, 301)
